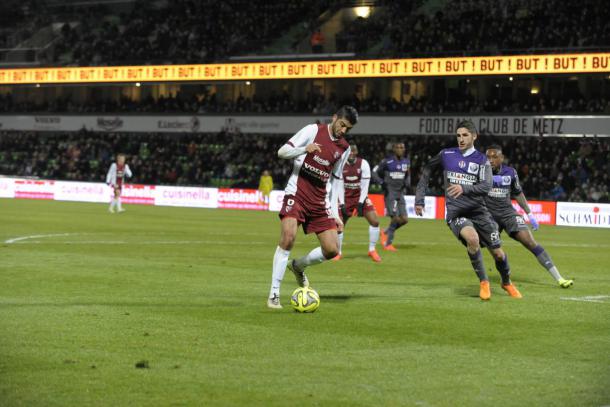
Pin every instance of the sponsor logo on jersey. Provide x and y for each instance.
(473, 168)
(498, 193)
(320, 160)
(317, 172)
(397, 174)
(351, 178)
(461, 178)
(352, 185)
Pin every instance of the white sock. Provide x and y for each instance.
(373, 237)
(118, 204)
(312, 258)
(111, 204)
(280, 260)
(555, 273)
(340, 237)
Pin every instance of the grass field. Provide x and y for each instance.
(87, 295)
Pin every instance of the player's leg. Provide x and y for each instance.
(288, 232)
(113, 200)
(340, 234)
(391, 210)
(400, 219)
(371, 217)
(328, 249)
(117, 195)
(503, 268)
(525, 237)
(464, 230)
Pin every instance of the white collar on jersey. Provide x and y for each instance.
(469, 151)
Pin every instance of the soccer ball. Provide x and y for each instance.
(305, 299)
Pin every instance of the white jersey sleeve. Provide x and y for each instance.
(336, 187)
(111, 175)
(297, 143)
(128, 171)
(365, 180)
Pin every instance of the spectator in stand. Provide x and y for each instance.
(317, 42)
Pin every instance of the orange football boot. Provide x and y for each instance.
(389, 248)
(375, 256)
(485, 291)
(512, 290)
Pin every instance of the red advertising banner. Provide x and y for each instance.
(543, 211)
(241, 199)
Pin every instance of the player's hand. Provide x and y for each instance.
(455, 190)
(313, 147)
(419, 210)
(343, 211)
(339, 224)
(361, 209)
(533, 222)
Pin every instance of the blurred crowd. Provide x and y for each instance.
(314, 104)
(183, 31)
(550, 168)
(479, 26)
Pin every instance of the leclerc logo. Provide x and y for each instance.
(583, 214)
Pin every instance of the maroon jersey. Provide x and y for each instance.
(309, 182)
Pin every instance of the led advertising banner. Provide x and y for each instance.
(373, 68)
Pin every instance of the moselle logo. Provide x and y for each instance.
(462, 164)
(473, 168)
(109, 124)
(320, 160)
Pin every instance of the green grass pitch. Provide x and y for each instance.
(86, 295)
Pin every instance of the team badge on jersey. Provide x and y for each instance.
(473, 168)
(462, 164)
(505, 180)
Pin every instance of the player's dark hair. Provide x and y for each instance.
(353, 145)
(397, 142)
(495, 147)
(349, 113)
(468, 125)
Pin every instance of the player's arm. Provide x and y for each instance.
(111, 175)
(336, 186)
(422, 185)
(378, 172)
(483, 186)
(407, 180)
(128, 172)
(517, 192)
(301, 143)
(365, 180)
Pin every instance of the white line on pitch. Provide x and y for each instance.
(589, 298)
(22, 238)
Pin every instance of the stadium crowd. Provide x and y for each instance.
(182, 31)
(315, 104)
(479, 26)
(549, 168)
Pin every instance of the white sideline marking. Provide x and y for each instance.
(22, 238)
(589, 298)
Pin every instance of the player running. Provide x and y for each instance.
(394, 174)
(115, 178)
(353, 197)
(319, 152)
(498, 201)
(468, 179)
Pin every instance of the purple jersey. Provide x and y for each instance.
(471, 170)
(505, 186)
